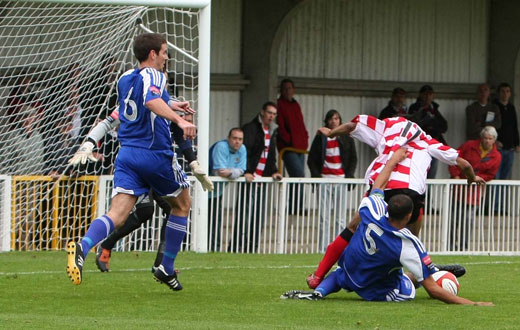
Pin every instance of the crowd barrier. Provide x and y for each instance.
(295, 215)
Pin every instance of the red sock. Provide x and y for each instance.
(334, 251)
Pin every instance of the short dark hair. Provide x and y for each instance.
(146, 42)
(330, 114)
(398, 91)
(503, 85)
(238, 129)
(284, 81)
(426, 89)
(399, 206)
(268, 104)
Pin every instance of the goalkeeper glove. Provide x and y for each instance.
(83, 154)
(201, 176)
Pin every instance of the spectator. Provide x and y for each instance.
(66, 145)
(98, 93)
(292, 133)
(396, 106)
(481, 113)
(425, 112)
(56, 122)
(228, 160)
(332, 158)
(21, 145)
(22, 95)
(260, 141)
(508, 139)
(483, 156)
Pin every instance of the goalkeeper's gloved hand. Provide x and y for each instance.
(83, 154)
(201, 176)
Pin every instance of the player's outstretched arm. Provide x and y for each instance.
(161, 109)
(84, 152)
(436, 292)
(467, 169)
(201, 175)
(343, 129)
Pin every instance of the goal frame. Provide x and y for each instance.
(199, 203)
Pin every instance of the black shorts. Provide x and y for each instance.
(417, 199)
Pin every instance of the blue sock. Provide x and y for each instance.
(99, 229)
(175, 232)
(329, 284)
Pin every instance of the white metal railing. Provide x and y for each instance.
(5, 213)
(302, 215)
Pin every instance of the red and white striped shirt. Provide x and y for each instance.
(332, 167)
(388, 135)
(259, 171)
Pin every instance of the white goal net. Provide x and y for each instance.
(58, 66)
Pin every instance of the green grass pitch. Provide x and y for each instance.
(230, 291)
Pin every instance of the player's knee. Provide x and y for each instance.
(181, 204)
(184, 205)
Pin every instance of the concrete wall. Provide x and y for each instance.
(504, 47)
(261, 21)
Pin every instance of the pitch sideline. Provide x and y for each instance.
(51, 272)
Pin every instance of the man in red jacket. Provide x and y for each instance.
(485, 159)
(292, 133)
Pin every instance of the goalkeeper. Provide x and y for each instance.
(144, 209)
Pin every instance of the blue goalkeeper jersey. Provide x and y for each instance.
(374, 258)
(139, 126)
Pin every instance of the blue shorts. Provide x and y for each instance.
(403, 290)
(138, 169)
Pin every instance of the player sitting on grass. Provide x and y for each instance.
(372, 264)
(144, 209)
(409, 177)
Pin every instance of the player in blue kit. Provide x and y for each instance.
(145, 159)
(372, 264)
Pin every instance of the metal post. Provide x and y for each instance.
(5, 216)
(281, 244)
(445, 217)
(200, 203)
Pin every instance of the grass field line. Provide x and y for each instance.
(51, 272)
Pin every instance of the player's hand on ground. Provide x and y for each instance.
(324, 131)
(484, 303)
(83, 154)
(201, 176)
(183, 106)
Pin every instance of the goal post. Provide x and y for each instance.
(59, 63)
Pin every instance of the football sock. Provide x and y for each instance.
(98, 230)
(334, 251)
(143, 212)
(175, 232)
(129, 226)
(329, 284)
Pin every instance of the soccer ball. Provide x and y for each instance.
(447, 281)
